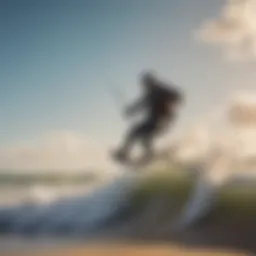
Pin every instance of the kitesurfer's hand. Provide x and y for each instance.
(134, 108)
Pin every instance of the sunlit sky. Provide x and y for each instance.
(59, 57)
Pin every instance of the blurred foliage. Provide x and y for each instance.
(233, 201)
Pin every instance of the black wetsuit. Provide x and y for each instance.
(159, 102)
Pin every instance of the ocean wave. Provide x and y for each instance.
(135, 206)
(73, 213)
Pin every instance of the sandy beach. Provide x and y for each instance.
(129, 249)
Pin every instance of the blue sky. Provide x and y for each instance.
(58, 58)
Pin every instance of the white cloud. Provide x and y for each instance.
(234, 29)
(60, 150)
(231, 134)
(242, 109)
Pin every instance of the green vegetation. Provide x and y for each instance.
(232, 202)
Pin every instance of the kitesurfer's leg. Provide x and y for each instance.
(152, 129)
(147, 143)
(147, 138)
(133, 135)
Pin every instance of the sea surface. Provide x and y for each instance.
(55, 209)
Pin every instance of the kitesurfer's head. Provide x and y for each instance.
(148, 79)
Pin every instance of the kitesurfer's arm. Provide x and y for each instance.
(135, 107)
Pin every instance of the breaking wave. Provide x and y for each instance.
(111, 206)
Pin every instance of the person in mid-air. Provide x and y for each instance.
(160, 102)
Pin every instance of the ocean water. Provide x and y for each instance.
(40, 204)
(23, 188)
(45, 207)
(49, 211)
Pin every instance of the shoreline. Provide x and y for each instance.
(128, 249)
